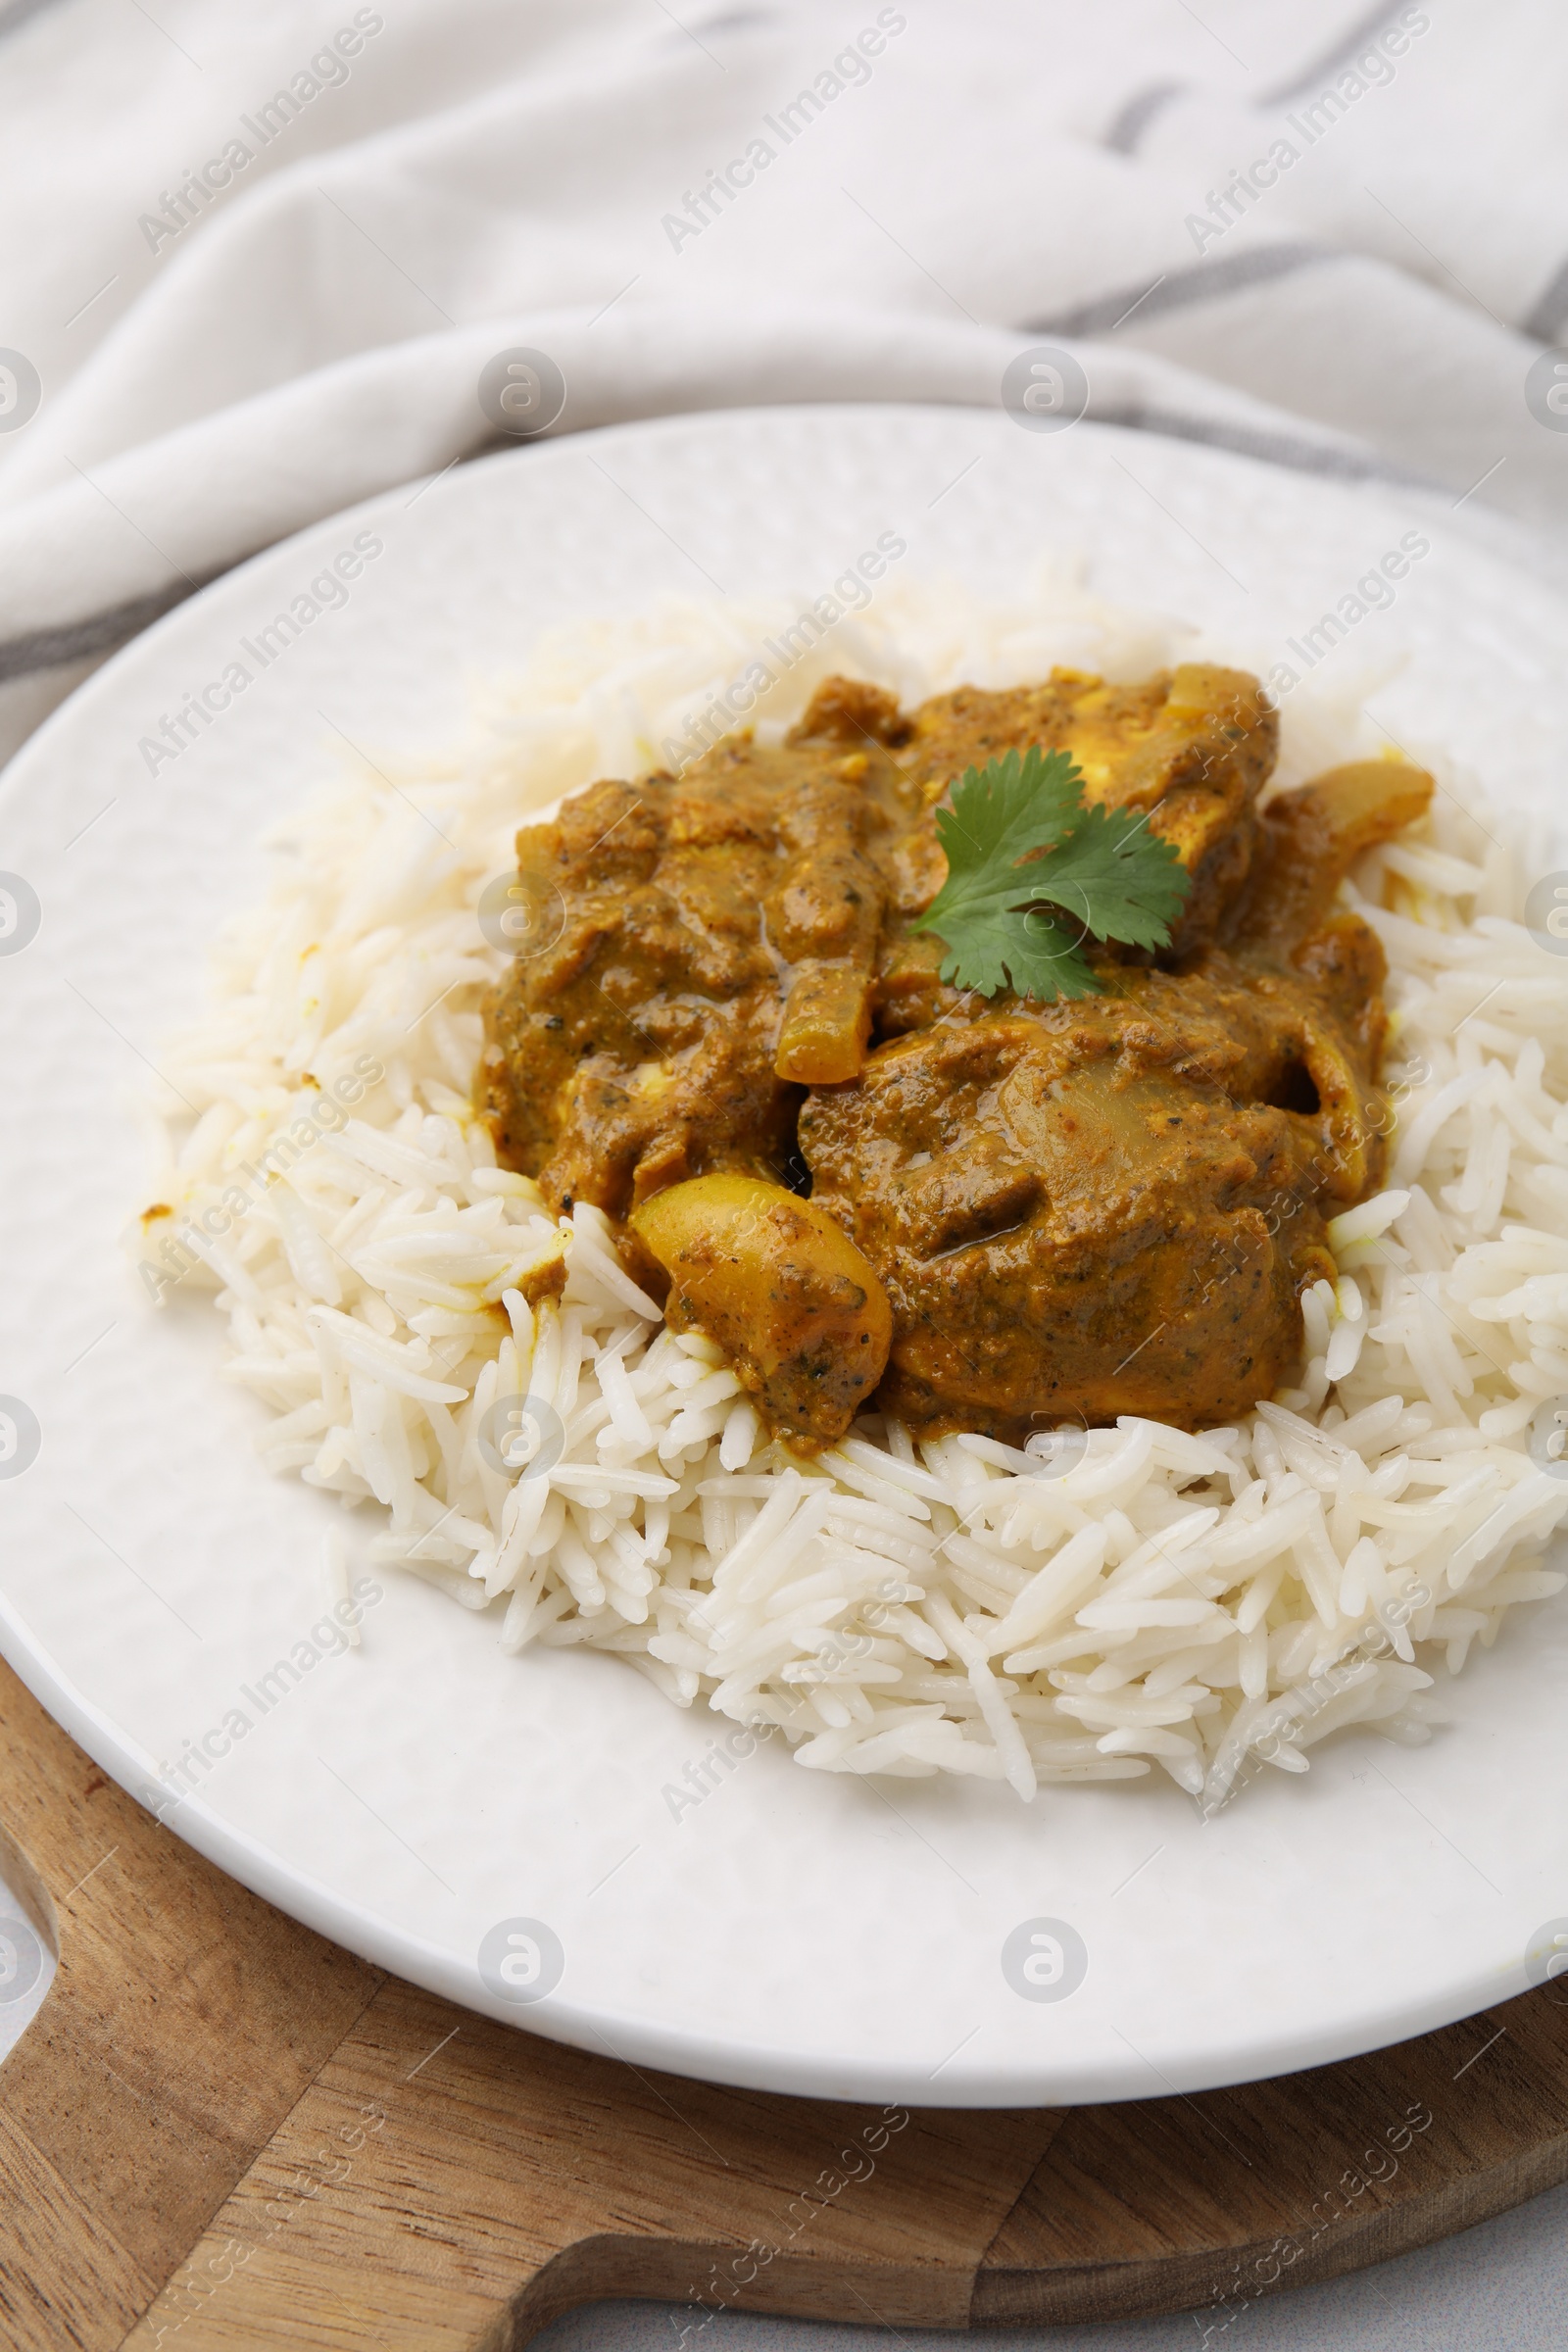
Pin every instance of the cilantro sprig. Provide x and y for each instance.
(1032, 873)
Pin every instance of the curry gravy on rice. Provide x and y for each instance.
(987, 1214)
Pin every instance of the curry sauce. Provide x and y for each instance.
(1075, 1210)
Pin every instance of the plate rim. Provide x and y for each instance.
(684, 2050)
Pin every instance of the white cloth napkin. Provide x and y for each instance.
(257, 262)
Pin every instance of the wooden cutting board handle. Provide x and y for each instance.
(224, 2134)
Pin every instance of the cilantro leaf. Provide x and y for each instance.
(1032, 873)
(1024, 949)
(1122, 881)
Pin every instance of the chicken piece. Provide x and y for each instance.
(1101, 1207)
(723, 938)
(1112, 1206)
(718, 943)
(1194, 745)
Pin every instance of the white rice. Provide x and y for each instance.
(900, 1606)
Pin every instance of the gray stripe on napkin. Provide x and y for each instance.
(1269, 448)
(73, 640)
(1348, 46)
(1137, 114)
(17, 12)
(1205, 281)
(1546, 322)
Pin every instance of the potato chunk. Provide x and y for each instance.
(781, 1288)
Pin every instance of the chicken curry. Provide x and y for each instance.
(867, 1184)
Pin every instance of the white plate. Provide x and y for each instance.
(795, 1931)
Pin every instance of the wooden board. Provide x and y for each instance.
(222, 2132)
